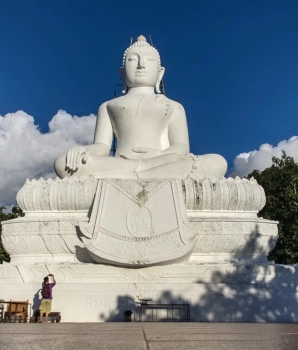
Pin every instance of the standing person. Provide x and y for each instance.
(46, 292)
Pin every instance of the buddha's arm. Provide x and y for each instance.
(103, 138)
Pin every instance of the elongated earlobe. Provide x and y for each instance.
(122, 75)
(160, 75)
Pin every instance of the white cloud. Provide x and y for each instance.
(25, 152)
(245, 163)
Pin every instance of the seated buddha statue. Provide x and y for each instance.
(151, 130)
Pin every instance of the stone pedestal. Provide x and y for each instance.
(139, 223)
(224, 292)
(196, 241)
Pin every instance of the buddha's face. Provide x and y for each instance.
(141, 67)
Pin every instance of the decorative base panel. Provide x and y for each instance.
(52, 240)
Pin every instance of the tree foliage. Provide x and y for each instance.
(280, 183)
(15, 213)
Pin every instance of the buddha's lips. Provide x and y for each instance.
(141, 71)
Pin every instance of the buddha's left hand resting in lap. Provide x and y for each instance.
(151, 130)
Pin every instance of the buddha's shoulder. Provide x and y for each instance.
(151, 99)
(104, 105)
(117, 101)
(110, 102)
(172, 104)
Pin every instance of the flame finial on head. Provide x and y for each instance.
(141, 38)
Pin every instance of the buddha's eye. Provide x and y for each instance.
(150, 59)
(131, 59)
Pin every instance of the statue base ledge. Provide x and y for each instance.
(193, 215)
(57, 214)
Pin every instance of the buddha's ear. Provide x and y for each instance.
(122, 75)
(160, 75)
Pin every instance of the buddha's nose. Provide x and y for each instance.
(141, 63)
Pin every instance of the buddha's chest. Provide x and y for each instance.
(139, 110)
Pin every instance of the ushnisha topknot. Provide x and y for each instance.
(141, 42)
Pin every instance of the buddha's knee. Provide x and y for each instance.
(221, 165)
(213, 164)
(60, 166)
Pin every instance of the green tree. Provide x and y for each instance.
(280, 183)
(15, 213)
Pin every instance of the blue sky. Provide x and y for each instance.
(231, 64)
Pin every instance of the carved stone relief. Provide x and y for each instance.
(223, 194)
(23, 237)
(137, 222)
(183, 274)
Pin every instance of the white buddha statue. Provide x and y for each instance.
(151, 130)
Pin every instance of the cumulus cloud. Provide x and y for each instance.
(26, 152)
(261, 159)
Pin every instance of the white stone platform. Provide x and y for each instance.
(225, 275)
(225, 292)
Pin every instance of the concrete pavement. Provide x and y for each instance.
(148, 336)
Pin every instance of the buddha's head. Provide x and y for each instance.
(141, 66)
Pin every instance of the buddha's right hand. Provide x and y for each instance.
(77, 155)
